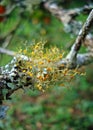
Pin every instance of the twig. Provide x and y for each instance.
(62, 14)
(6, 51)
(73, 59)
(65, 15)
(81, 37)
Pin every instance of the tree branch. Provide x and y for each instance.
(12, 78)
(62, 14)
(6, 51)
(65, 15)
(72, 59)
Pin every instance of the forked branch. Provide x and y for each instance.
(74, 59)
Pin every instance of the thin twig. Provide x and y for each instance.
(73, 59)
(6, 51)
(81, 37)
(65, 15)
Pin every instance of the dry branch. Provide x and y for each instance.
(6, 51)
(81, 37)
(73, 59)
(65, 15)
(62, 14)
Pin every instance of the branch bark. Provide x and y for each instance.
(65, 15)
(6, 51)
(72, 59)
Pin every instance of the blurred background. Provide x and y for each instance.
(60, 108)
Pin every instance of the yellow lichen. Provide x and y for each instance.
(41, 66)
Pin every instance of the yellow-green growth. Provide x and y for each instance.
(41, 66)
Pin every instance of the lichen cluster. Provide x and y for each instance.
(41, 66)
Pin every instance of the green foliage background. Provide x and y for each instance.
(60, 108)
